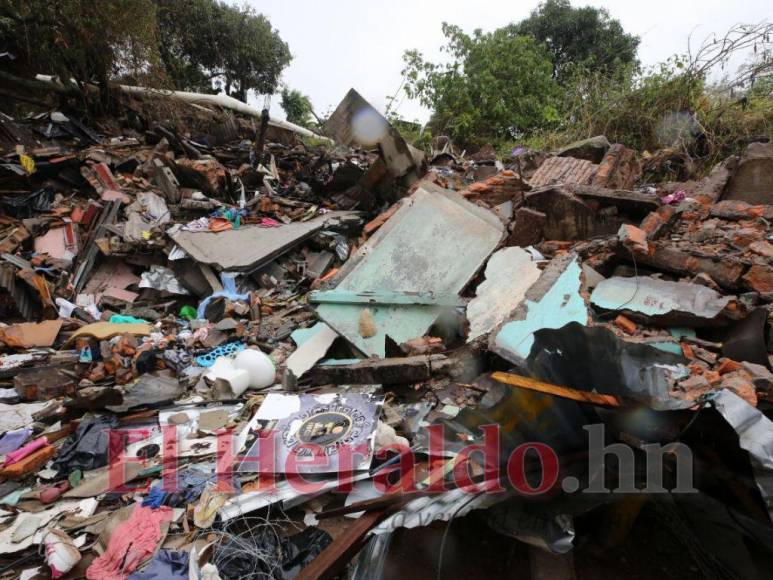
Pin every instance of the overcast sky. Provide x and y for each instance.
(339, 44)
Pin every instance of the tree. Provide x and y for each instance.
(583, 37)
(496, 86)
(90, 42)
(297, 107)
(189, 36)
(199, 45)
(207, 45)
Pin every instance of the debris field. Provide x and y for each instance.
(232, 351)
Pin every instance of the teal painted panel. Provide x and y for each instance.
(560, 305)
(435, 242)
(666, 346)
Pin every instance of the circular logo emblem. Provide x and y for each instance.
(325, 428)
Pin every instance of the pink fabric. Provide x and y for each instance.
(22, 452)
(675, 198)
(131, 543)
(269, 223)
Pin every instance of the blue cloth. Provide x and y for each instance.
(12, 440)
(229, 291)
(165, 565)
(155, 499)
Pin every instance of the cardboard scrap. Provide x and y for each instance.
(31, 334)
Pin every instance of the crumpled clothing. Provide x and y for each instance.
(131, 543)
(125, 319)
(268, 223)
(198, 225)
(188, 487)
(191, 484)
(225, 219)
(22, 452)
(155, 498)
(12, 440)
(88, 448)
(218, 224)
(178, 358)
(165, 565)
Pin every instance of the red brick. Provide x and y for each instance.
(657, 222)
(625, 324)
(760, 279)
(633, 237)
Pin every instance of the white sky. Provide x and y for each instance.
(340, 44)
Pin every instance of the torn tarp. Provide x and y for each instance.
(165, 565)
(162, 279)
(27, 206)
(89, 447)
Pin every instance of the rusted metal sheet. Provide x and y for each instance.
(357, 122)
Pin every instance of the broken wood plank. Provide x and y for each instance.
(550, 389)
(337, 555)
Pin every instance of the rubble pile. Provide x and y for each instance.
(230, 356)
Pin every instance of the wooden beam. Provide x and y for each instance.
(558, 391)
(333, 559)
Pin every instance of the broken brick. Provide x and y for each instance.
(657, 222)
(527, 228)
(738, 210)
(727, 273)
(625, 324)
(633, 237)
(759, 278)
(619, 169)
(728, 365)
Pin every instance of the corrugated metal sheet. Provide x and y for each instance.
(19, 295)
